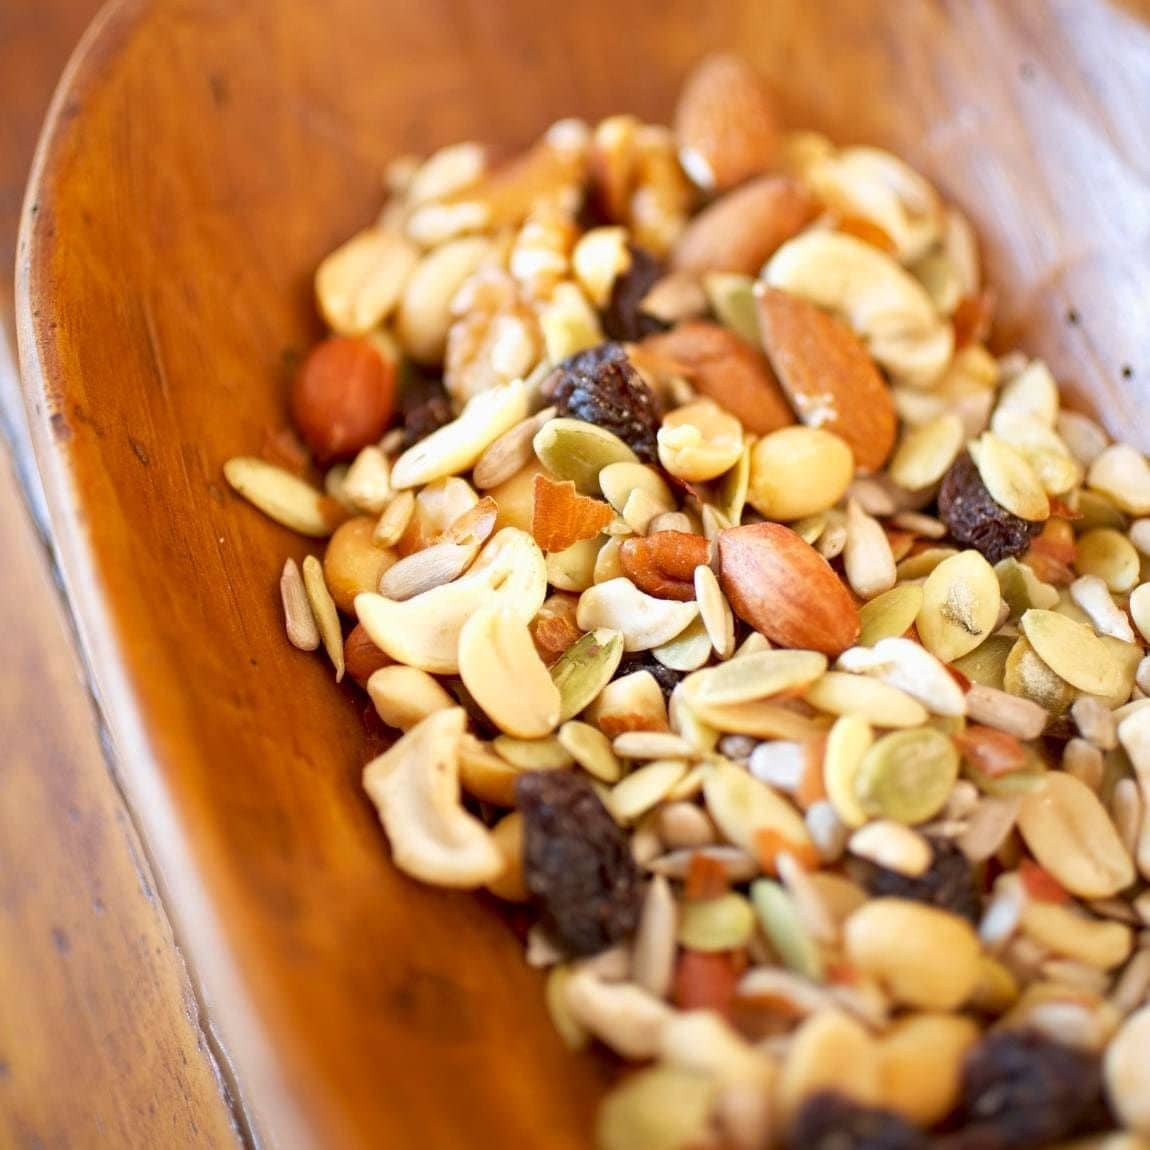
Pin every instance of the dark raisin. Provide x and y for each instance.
(600, 386)
(667, 679)
(828, 1121)
(426, 408)
(1021, 1090)
(623, 317)
(972, 516)
(949, 883)
(576, 862)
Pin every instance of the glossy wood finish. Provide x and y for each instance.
(102, 1042)
(202, 157)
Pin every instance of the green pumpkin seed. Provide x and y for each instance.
(1072, 651)
(889, 615)
(783, 926)
(572, 449)
(732, 299)
(585, 668)
(716, 923)
(986, 664)
(907, 775)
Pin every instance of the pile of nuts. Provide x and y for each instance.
(746, 617)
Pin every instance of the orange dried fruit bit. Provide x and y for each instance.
(706, 980)
(812, 788)
(552, 635)
(1040, 884)
(1062, 510)
(973, 318)
(867, 231)
(561, 517)
(706, 878)
(900, 543)
(1057, 541)
(769, 844)
(993, 752)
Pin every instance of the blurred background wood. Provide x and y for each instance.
(101, 1039)
(204, 157)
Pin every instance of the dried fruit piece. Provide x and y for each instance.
(975, 519)
(831, 380)
(600, 386)
(624, 315)
(577, 862)
(426, 408)
(663, 564)
(948, 883)
(725, 122)
(561, 517)
(726, 368)
(785, 589)
(1021, 1090)
(831, 1121)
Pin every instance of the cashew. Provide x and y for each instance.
(887, 308)
(455, 447)
(880, 187)
(424, 631)
(404, 696)
(425, 309)
(627, 1018)
(415, 787)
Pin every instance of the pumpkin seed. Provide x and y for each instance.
(1072, 651)
(783, 926)
(1111, 556)
(926, 452)
(721, 923)
(752, 677)
(1009, 478)
(663, 1108)
(907, 776)
(840, 693)
(715, 612)
(890, 614)
(585, 668)
(532, 754)
(732, 300)
(690, 649)
(644, 789)
(572, 449)
(763, 720)
(591, 749)
(921, 565)
(742, 807)
(731, 490)
(960, 602)
(847, 745)
(1027, 676)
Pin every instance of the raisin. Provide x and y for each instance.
(600, 386)
(667, 679)
(828, 1121)
(948, 883)
(576, 862)
(426, 408)
(1020, 1090)
(623, 317)
(972, 516)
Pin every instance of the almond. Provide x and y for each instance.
(663, 564)
(740, 231)
(561, 517)
(728, 370)
(831, 380)
(726, 123)
(785, 589)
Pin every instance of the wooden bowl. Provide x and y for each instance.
(199, 159)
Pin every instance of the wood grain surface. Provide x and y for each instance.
(101, 1038)
(201, 158)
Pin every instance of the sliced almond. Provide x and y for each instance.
(1008, 477)
(743, 807)
(751, 677)
(1072, 651)
(839, 693)
(961, 598)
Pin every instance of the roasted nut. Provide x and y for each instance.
(798, 471)
(699, 441)
(354, 563)
(663, 564)
(415, 786)
(425, 310)
(360, 283)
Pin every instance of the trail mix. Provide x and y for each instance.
(747, 618)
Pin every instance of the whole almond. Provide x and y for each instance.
(739, 232)
(663, 564)
(785, 589)
(725, 368)
(726, 123)
(831, 380)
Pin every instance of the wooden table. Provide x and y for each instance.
(102, 1039)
